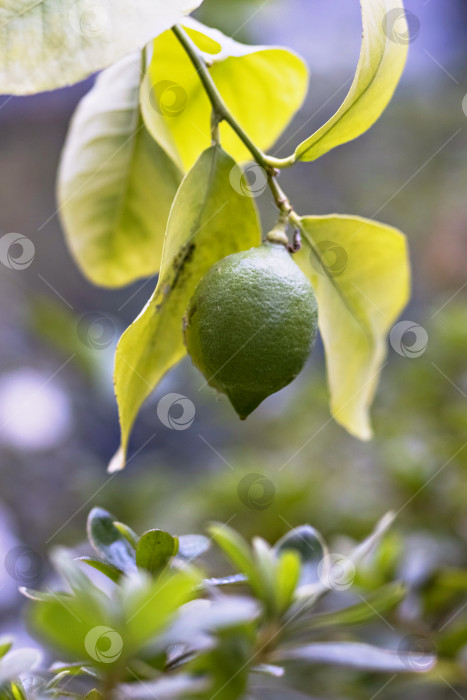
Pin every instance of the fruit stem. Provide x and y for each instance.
(215, 136)
(281, 199)
(270, 164)
(279, 233)
(214, 95)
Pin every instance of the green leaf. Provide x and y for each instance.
(66, 621)
(94, 695)
(147, 605)
(360, 272)
(177, 111)
(356, 655)
(265, 563)
(238, 552)
(209, 220)
(287, 578)
(310, 546)
(373, 541)
(90, 625)
(154, 551)
(374, 604)
(51, 43)
(104, 567)
(18, 691)
(127, 533)
(116, 184)
(38, 596)
(66, 566)
(379, 69)
(6, 642)
(108, 541)
(73, 669)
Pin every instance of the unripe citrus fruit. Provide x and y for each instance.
(251, 324)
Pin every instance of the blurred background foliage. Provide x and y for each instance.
(58, 420)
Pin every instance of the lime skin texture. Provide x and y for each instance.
(251, 324)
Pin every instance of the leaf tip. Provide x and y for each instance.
(358, 426)
(117, 463)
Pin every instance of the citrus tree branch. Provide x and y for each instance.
(271, 165)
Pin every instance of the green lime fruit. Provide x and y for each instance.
(251, 324)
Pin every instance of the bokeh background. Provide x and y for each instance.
(58, 419)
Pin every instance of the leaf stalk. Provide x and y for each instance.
(270, 164)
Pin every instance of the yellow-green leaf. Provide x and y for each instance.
(208, 221)
(382, 60)
(46, 44)
(116, 184)
(360, 271)
(262, 86)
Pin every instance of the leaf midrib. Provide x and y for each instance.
(22, 13)
(138, 126)
(366, 330)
